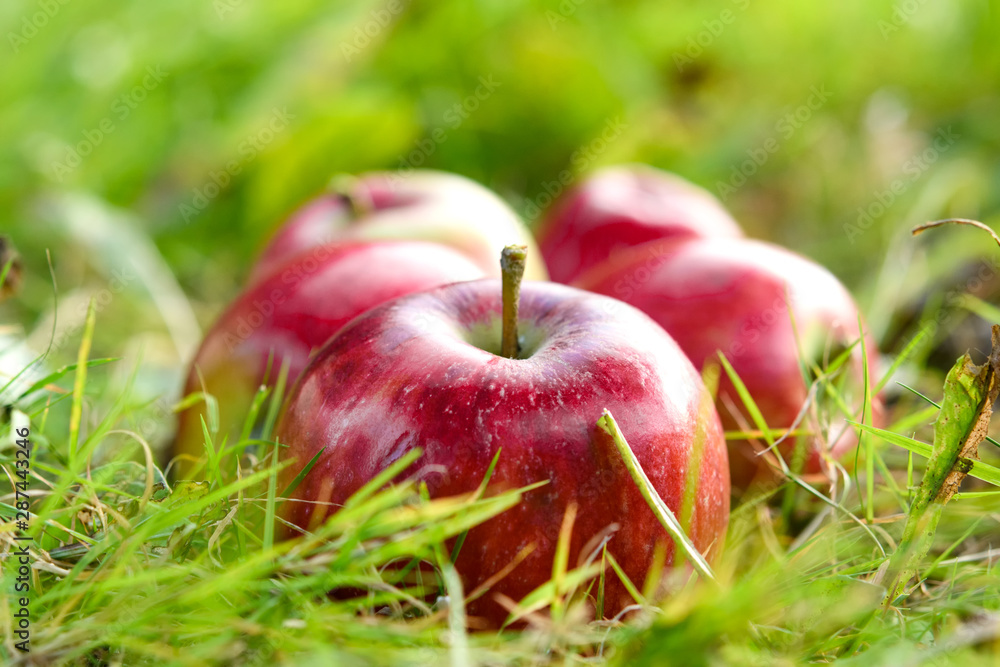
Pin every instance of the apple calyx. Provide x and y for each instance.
(512, 261)
(349, 188)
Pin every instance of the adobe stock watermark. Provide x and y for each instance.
(223, 7)
(646, 260)
(566, 9)
(712, 29)
(265, 305)
(902, 13)
(581, 159)
(784, 128)
(31, 25)
(160, 416)
(121, 108)
(651, 257)
(120, 279)
(913, 169)
(248, 149)
(954, 298)
(453, 119)
(379, 19)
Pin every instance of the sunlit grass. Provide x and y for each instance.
(130, 568)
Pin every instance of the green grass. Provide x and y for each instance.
(134, 567)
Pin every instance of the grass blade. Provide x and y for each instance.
(76, 413)
(663, 513)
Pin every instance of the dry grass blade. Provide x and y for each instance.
(955, 221)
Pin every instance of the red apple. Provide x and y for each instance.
(419, 205)
(624, 206)
(426, 371)
(317, 222)
(741, 296)
(294, 311)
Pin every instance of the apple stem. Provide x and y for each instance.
(350, 188)
(512, 261)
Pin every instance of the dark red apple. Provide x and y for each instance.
(294, 310)
(418, 205)
(426, 371)
(741, 296)
(624, 206)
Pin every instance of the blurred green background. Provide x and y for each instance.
(165, 140)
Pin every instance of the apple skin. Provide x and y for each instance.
(624, 206)
(293, 311)
(319, 221)
(730, 295)
(406, 375)
(421, 205)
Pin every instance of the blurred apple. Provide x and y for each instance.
(417, 205)
(293, 311)
(624, 206)
(741, 297)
